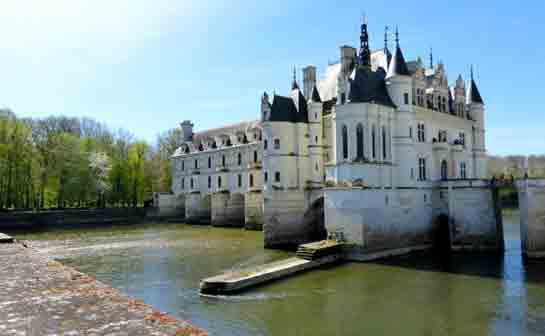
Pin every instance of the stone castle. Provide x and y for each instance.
(381, 152)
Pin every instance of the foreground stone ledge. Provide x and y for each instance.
(40, 296)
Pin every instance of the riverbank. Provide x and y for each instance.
(43, 297)
(13, 221)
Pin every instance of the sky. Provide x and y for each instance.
(147, 65)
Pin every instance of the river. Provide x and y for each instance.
(162, 264)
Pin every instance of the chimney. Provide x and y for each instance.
(348, 59)
(309, 81)
(187, 130)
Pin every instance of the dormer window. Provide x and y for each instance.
(276, 143)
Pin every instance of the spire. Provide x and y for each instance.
(398, 66)
(294, 85)
(473, 94)
(431, 58)
(386, 40)
(365, 53)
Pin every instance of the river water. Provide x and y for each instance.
(162, 264)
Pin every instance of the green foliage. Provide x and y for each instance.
(67, 162)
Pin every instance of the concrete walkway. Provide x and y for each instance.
(40, 297)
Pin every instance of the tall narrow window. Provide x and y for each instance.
(359, 141)
(374, 142)
(277, 177)
(223, 160)
(256, 157)
(191, 184)
(345, 142)
(422, 169)
(239, 180)
(266, 177)
(463, 171)
(384, 143)
(406, 98)
(444, 170)
(251, 180)
(219, 181)
(209, 182)
(421, 133)
(239, 159)
(276, 143)
(183, 183)
(196, 164)
(265, 144)
(183, 165)
(209, 162)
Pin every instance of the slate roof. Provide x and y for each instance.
(397, 66)
(474, 96)
(367, 86)
(316, 96)
(283, 109)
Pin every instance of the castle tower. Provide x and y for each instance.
(399, 83)
(315, 139)
(476, 112)
(309, 80)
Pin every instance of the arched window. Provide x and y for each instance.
(239, 159)
(239, 180)
(444, 170)
(255, 157)
(359, 141)
(345, 142)
(374, 141)
(384, 143)
(251, 180)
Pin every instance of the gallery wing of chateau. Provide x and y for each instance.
(374, 120)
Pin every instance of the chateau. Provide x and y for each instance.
(374, 153)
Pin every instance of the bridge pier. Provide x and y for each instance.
(227, 209)
(197, 208)
(532, 217)
(253, 210)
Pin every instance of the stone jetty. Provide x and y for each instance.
(309, 256)
(41, 296)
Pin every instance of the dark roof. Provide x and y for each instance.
(284, 109)
(316, 96)
(397, 66)
(367, 86)
(474, 94)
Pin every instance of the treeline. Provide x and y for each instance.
(62, 162)
(514, 166)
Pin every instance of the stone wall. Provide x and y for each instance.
(167, 206)
(227, 209)
(380, 219)
(287, 220)
(28, 220)
(532, 217)
(197, 208)
(475, 216)
(253, 211)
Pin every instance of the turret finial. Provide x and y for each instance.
(365, 53)
(294, 85)
(431, 57)
(397, 36)
(471, 71)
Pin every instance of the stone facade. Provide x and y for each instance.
(532, 217)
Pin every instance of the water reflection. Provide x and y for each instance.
(421, 294)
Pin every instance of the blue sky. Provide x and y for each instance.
(147, 65)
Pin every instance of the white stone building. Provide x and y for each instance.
(374, 128)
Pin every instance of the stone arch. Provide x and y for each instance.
(314, 221)
(442, 241)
